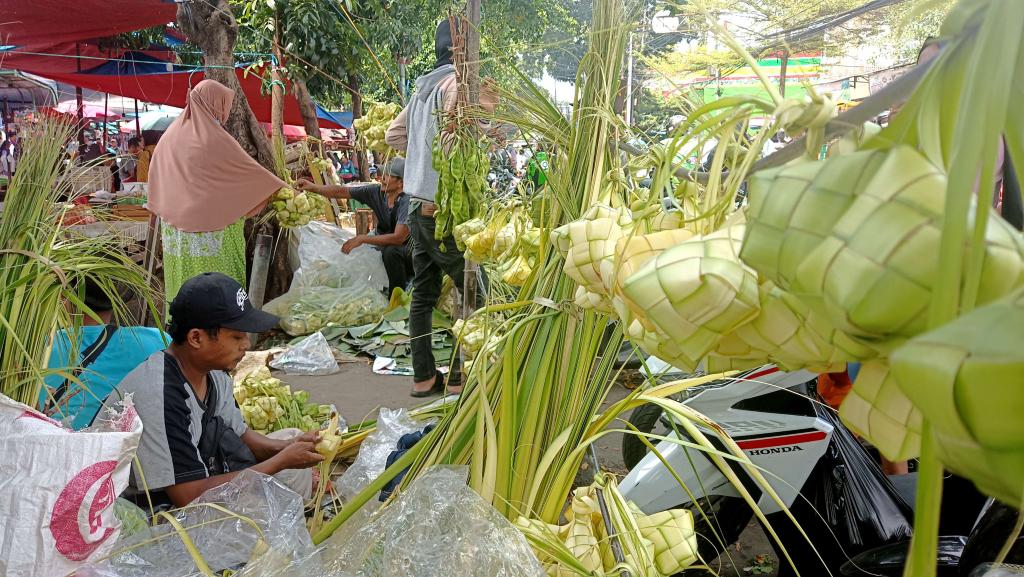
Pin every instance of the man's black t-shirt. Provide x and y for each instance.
(387, 217)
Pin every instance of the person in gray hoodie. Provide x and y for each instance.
(413, 133)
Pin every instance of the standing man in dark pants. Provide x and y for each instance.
(390, 205)
(413, 131)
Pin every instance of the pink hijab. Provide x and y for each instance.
(201, 179)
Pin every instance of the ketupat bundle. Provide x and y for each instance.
(267, 404)
(864, 255)
(966, 378)
(790, 334)
(372, 126)
(295, 210)
(667, 538)
(877, 269)
(793, 208)
(589, 247)
(696, 292)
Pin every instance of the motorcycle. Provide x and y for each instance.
(859, 520)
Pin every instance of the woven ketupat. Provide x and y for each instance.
(695, 292)
(878, 410)
(793, 208)
(792, 335)
(588, 245)
(632, 252)
(967, 378)
(875, 271)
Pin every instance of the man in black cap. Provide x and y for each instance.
(390, 205)
(413, 131)
(193, 435)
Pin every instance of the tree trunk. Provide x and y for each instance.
(277, 88)
(211, 27)
(352, 83)
(307, 107)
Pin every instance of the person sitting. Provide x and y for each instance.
(129, 166)
(390, 205)
(105, 353)
(193, 434)
(347, 171)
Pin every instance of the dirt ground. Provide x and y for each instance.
(359, 393)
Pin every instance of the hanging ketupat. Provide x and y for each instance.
(965, 378)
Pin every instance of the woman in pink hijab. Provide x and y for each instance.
(203, 185)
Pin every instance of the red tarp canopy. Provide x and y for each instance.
(172, 90)
(44, 22)
(139, 77)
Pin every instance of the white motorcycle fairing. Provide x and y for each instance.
(785, 446)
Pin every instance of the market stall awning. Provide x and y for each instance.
(21, 89)
(89, 110)
(42, 22)
(343, 119)
(146, 77)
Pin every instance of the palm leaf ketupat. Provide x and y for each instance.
(965, 377)
(696, 291)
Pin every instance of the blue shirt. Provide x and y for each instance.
(127, 349)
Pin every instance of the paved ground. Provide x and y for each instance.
(359, 393)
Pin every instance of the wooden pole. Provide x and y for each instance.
(473, 50)
(106, 109)
(138, 123)
(472, 32)
(782, 71)
(260, 267)
(78, 89)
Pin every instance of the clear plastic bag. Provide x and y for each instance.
(439, 527)
(310, 356)
(305, 310)
(315, 251)
(373, 453)
(252, 519)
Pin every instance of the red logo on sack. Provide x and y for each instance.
(89, 493)
(38, 417)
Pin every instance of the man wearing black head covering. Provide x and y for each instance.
(413, 132)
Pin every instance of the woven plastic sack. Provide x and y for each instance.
(252, 521)
(58, 488)
(310, 356)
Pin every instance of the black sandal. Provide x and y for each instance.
(436, 389)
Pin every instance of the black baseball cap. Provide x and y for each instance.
(214, 300)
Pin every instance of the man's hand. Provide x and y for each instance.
(351, 244)
(304, 185)
(297, 455)
(489, 95)
(307, 437)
